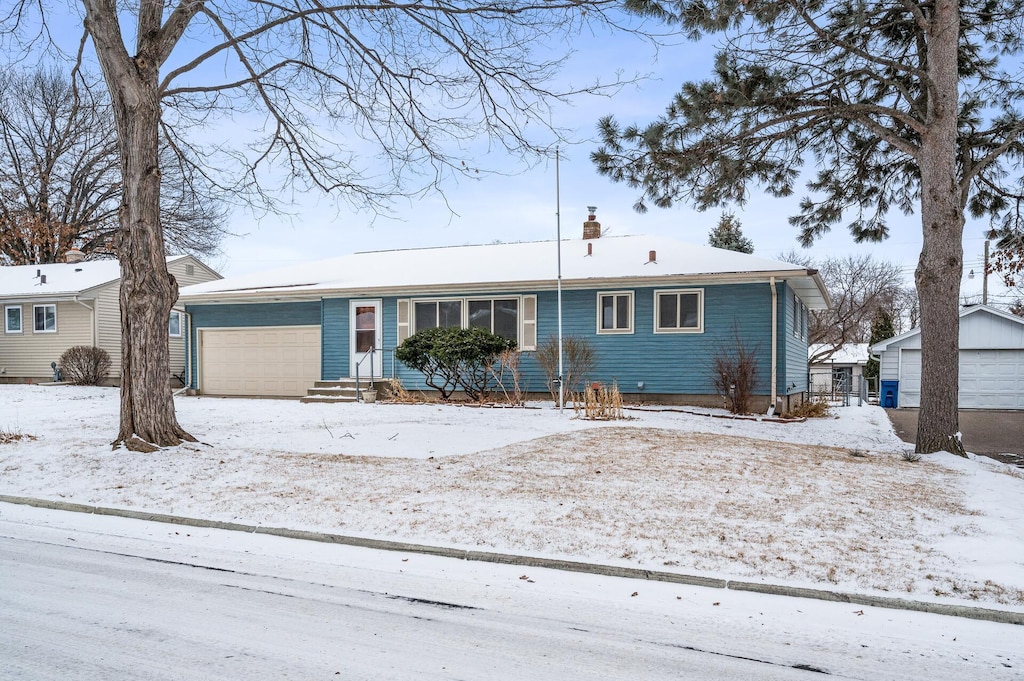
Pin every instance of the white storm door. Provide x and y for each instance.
(365, 335)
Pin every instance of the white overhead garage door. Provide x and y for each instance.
(989, 379)
(278, 361)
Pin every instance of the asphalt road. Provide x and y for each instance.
(89, 597)
(986, 432)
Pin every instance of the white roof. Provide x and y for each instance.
(851, 353)
(584, 262)
(62, 279)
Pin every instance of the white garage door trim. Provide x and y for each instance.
(989, 379)
(262, 361)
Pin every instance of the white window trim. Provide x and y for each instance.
(464, 309)
(632, 313)
(181, 324)
(21, 319)
(36, 307)
(676, 291)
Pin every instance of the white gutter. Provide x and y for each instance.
(775, 344)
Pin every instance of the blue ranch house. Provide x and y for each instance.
(654, 310)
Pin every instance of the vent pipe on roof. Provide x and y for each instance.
(652, 258)
(592, 228)
(590, 250)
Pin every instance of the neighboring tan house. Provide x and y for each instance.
(50, 308)
(654, 310)
(991, 362)
(839, 371)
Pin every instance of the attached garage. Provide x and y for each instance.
(991, 361)
(259, 361)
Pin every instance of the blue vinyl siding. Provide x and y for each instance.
(249, 314)
(679, 363)
(792, 377)
(668, 363)
(334, 339)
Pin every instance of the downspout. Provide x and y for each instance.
(95, 320)
(775, 345)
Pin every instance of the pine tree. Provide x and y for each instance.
(728, 234)
(882, 327)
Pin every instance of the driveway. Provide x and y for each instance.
(984, 431)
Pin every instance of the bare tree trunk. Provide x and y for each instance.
(147, 289)
(941, 262)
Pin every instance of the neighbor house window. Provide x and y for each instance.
(174, 325)
(679, 311)
(12, 319)
(45, 318)
(437, 313)
(615, 312)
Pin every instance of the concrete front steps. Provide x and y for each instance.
(343, 390)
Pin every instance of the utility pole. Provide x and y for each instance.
(984, 281)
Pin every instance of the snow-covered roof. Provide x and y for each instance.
(965, 312)
(584, 262)
(851, 353)
(62, 279)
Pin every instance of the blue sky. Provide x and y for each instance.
(521, 204)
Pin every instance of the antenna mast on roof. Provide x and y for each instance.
(558, 239)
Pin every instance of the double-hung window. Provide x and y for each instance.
(615, 312)
(45, 318)
(680, 311)
(12, 319)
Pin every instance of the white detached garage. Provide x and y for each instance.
(991, 361)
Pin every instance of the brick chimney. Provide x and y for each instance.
(592, 228)
(74, 255)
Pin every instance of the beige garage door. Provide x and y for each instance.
(272, 361)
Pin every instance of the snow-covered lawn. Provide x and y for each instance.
(825, 503)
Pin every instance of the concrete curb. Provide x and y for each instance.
(970, 612)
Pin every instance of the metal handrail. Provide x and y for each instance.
(369, 355)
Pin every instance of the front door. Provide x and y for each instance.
(364, 336)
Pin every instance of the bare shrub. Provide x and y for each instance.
(508, 376)
(85, 365)
(578, 359)
(734, 366)
(811, 409)
(911, 456)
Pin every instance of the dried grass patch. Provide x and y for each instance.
(8, 436)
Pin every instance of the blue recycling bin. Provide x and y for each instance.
(890, 394)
